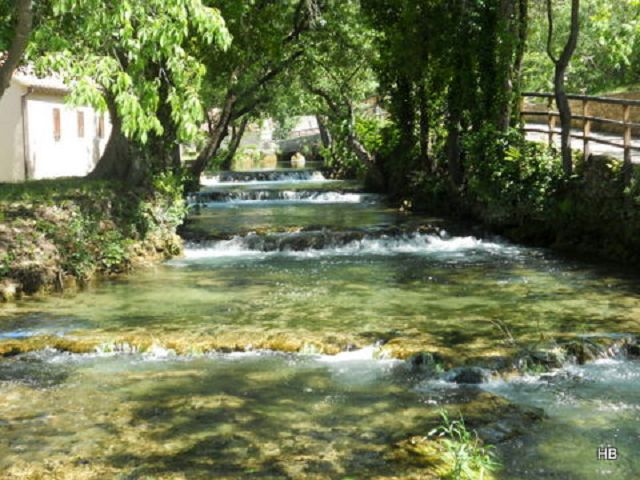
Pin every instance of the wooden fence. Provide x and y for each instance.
(587, 120)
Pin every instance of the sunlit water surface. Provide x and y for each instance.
(283, 416)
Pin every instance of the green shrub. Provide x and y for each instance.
(371, 131)
(511, 179)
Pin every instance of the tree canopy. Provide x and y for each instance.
(443, 71)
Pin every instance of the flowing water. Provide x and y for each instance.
(267, 350)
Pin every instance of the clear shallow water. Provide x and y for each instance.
(588, 407)
(359, 272)
(444, 293)
(234, 416)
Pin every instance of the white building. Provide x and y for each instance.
(42, 137)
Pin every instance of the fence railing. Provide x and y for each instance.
(623, 121)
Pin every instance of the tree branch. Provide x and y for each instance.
(19, 44)
(333, 106)
(236, 137)
(550, 33)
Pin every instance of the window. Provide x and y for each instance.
(100, 127)
(57, 128)
(80, 124)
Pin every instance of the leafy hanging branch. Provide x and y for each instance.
(254, 74)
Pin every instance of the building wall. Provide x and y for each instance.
(69, 153)
(12, 166)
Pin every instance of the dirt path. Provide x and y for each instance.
(596, 148)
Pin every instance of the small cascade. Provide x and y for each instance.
(265, 176)
(211, 199)
(385, 241)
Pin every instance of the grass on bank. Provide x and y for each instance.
(56, 230)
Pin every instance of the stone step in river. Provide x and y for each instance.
(214, 198)
(304, 338)
(284, 175)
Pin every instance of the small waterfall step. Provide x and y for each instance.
(265, 176)
(213, 198)
(389, 237)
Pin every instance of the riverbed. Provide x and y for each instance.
(284, 344)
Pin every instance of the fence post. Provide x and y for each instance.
(586, 129)
(626, 113)
(551, 121)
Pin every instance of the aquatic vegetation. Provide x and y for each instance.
(468, 458)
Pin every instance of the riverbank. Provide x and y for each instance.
(60, 234)
(518, 191)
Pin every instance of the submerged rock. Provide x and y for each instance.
(298, 160)
(8, 290)
(633, 350)
(426, 361)
(583, 350)
(493, 418)
(469, 375)
(542, 358)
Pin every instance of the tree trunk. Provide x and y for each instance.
(375, 178)
(164, 150)
(561, 65)
(235, 143)
(523, 31)
(454, 153)
(366, 158)
(507, 69)
(325, 134)
(19, 43)
(565, 120)
(405, 112)
(120, 160)
(455, 101)
(220, 131)
(424, 129)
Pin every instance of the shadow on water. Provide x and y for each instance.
(268, 416)
(298, 423)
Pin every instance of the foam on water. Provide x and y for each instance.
(372, 353)
(286, 197)
(416, 244)
(267, 177)
(604, 385)
(586, 407)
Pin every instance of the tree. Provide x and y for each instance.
(267, 43)
(140, 60)
(337, 71)
(408, 85)
(447, 69)
(607, 56)
(561, 63)
(16, 38)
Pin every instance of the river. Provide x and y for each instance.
(283, 344)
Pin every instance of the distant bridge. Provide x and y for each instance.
(298, 139)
